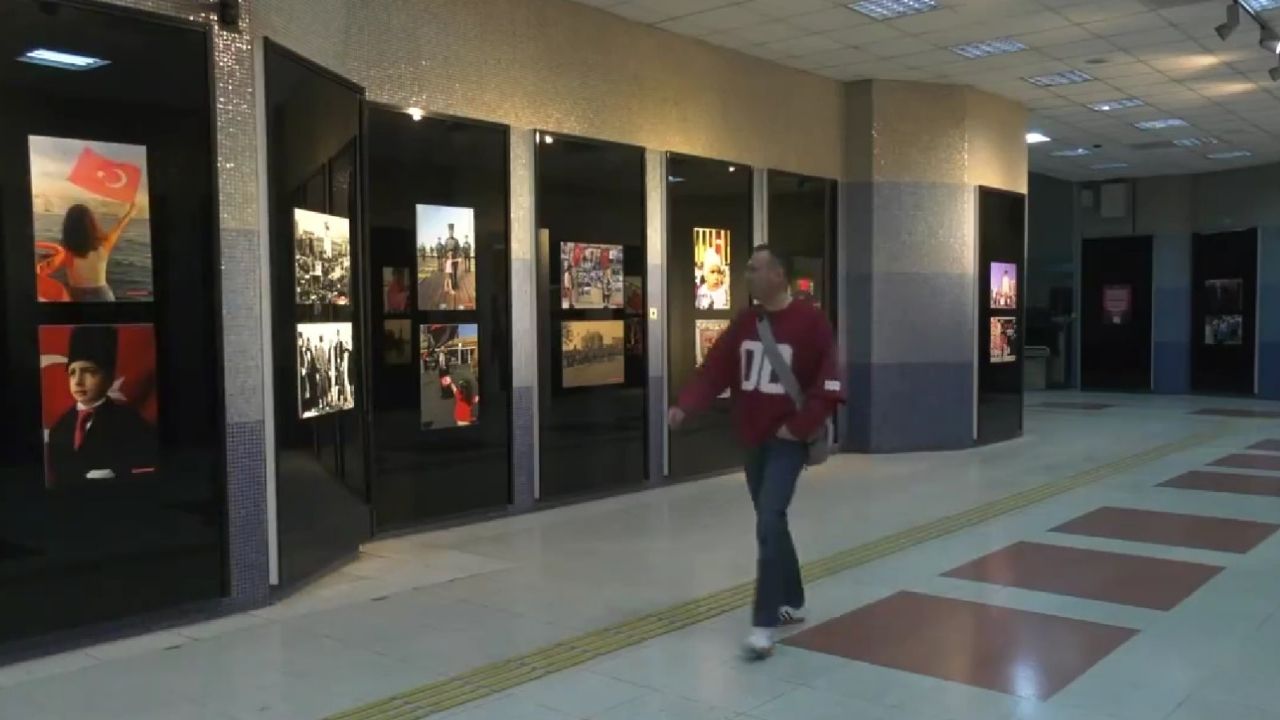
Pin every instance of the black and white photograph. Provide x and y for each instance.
(322, 258)
(592, 353)
(450, 375)
(446, 248)
(324, 369)
(591, 276)
(397, 341)
(1224, 330)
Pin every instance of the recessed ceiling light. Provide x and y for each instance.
(675, 179)
(61, 60)
(1070, 77)
(1121, 104)
(1073, 152)
(987, 48)
(889, 9)
(1109, 166)
(1035, 137)
(1258, 6)
(1195, 142)
(1160, 124)
(1229, 155)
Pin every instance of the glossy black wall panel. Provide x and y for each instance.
(99, 550)
(591, 438)
(1224, 293)
(703, 194)
(802, 222)
(1002, 218)
(1115, 355)
(314, 161)
(421, 474)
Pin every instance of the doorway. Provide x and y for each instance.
(1115, 321)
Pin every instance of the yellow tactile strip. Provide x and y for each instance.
(491, 679)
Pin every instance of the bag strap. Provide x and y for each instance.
(779, 363)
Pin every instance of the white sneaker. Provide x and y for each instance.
(791, 616)
(759, 644)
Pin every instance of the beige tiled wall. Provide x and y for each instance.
(566, 67)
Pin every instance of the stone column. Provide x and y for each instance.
(916, 153)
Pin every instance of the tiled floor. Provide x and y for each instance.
(1133, 598)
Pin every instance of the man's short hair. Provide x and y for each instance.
(782, 259)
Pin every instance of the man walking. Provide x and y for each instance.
(776, 429)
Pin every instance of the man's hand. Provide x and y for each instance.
(675, 418)
(785, 434)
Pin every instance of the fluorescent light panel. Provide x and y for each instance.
(1195, 142)
(1070, 77)
(1073, 152)
(1035, 137)
(1109, 166)
(889, 9)
(1258, 6)
(1160, 124)
(1229, 155)
(987, 48)
(1121, 104)
(61, 60)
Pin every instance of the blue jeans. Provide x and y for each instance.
(772, 471)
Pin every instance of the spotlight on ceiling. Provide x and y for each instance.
(1233, 21)
(1269, 41)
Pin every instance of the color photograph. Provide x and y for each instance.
(324, 369)
(707, 331)
(635, 336)
(633, 294)
(1004, 286)
(1004, 339)
(1117, 304)
(591, 353)
(1224, 330)
(91, 215)
(1224, 296)
(397, 341)
(450, 375)
(591, 276)
(395, 290)
(446, 258)
(322, 258)
(711, 269)
(99, 404)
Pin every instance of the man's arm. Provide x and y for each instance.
(827, 390)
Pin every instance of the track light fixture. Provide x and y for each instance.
(1274, 73)
(1233, 21)
(1269, 41)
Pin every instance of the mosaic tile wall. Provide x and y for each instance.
(524, 322)
(655, 184)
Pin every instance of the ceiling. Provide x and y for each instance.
(1163, 52)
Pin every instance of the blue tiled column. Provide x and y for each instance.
(1269, 314)
(1171, 313)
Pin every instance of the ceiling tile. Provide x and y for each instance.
(859, 34)
(831, 19)
(805, 45)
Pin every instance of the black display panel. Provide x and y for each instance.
(1001, 312)
(441, 377)
(590, 204)
(112, 346)
(1115, 314)
(1224, 292)
(315, 171)
(709, 239)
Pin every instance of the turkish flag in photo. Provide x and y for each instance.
(103, 176)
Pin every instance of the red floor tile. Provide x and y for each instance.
(1237, 483)
(1090, 574)
(1075, 405)
(1266, 445)
(1026, 654)
(1162, 528)
(1237, 413)
(1249, 461)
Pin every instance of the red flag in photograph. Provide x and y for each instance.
(103, 176)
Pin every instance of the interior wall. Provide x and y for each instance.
(1050, 236)
(566, 67)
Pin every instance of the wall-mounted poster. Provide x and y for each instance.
(1004, 286)
(1117, 304)
(591, 353)
(711, 269)
(591, 276)
(1224, 296)
(322, 258)
(805, 285)
(707, 332)
(324, 369)
(635, 336)
(91, 215)
(633, 294)
(99, 405)
(1224, 330)
(397, 341)
(1004, 336)
(395, 289)
(446, 258)
(450, 375)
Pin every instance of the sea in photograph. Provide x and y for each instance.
(129, 270)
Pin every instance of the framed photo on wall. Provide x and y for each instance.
(449, 359)
(711, 248)
(592, 353)
(591, 276)
(324, 369)
(322, 257)
(446, 249)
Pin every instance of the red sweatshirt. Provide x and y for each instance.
(761, 405)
